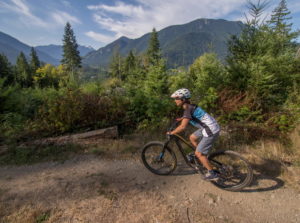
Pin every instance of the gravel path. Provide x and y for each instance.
(92, 189)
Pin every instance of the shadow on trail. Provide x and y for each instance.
(276, 183)
(266, 176)
(183, 169)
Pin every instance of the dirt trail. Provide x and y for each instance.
(92, 189)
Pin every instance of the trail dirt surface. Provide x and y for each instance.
(92, 189)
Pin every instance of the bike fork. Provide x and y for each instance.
(162, 153)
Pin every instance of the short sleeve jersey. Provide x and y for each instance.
(201, 119)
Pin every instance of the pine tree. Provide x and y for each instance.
(130, 62)
(116, 65)
(261, 62)
(34, 61)
(153, 51)
(279, 17)
(24, 76)
(155, 89)
(6, 71)
(281, 29)
(71, 56)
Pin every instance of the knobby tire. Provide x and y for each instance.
(151, 153)
(234, 171)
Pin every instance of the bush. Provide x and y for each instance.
(72, 110)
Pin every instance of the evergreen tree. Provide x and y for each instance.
(34, 62)
(24, 76)
(130, 63)
(116, 67)
(6, 71)
(281, 29)
(261, 62)
(71, 56)
(279, 17)
(153, 51)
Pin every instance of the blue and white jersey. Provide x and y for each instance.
(201, 119)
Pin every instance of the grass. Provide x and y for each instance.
(117, 148)
(43, 217)
(19, 155)
(109, 194)
(104, 183)
(130, 149)
(276, 158)
(98, 151)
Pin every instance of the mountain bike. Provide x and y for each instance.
(234, 171)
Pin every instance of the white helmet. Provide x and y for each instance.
(182, 93)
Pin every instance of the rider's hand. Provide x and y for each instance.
(169, 133)
(178, 119)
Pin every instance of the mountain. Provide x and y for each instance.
(180, 44)
(11, 48)
(56, 50)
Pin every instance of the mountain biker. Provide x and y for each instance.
(207, 126)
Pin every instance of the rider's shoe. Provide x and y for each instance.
(191, 157)
(211, 175)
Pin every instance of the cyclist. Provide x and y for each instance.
(207, 126)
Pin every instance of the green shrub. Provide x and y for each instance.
(74, 110)
(282, 122)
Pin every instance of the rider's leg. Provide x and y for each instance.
(194, 140)
(203, 159)
(203, 148)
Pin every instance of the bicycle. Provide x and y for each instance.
(234, 171)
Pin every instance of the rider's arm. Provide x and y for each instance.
(181, 127)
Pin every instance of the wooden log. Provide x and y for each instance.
(111, 132)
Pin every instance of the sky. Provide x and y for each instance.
(97, 23)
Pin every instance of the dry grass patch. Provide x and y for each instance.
(277, 159)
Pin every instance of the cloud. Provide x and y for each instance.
(100, 37)
(63, 17)
(51, 19)
(135, 20)
(120, 8)
(22, 9)
(66, 4)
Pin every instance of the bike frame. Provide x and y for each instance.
(178, 139)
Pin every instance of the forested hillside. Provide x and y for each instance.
(180, 44)
(255, 90)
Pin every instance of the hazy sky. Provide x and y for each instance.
(99, 22)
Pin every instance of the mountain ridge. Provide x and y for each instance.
(11, 48)
(193, 38)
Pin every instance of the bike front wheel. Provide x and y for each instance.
(234, 171)
(157, 159)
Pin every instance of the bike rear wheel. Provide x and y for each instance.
(157, 161)
(234, 171)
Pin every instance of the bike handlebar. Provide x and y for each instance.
(173, 126)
